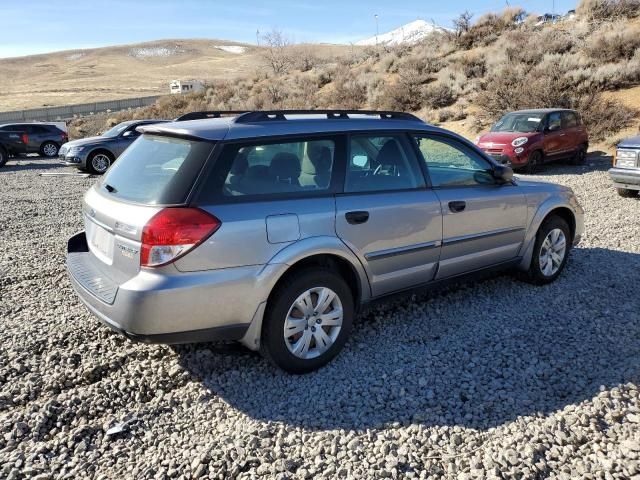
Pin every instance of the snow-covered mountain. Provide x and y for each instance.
(410, 33)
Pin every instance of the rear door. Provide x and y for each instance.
(483, 222)
(572, 131)
(268, 194)
(554, 137)
(386, 216)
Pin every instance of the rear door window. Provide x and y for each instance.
(555, 121)
(156, 170)
(303, 166)
(569, 120)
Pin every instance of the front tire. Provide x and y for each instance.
(99, 162)
(627, 192)
(550, 252)
(307, 321)
(49, 149)
(535, 160)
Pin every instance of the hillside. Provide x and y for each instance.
(79, 76)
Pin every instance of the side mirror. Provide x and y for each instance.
(503, 173)
(128, 133)
(552, 128)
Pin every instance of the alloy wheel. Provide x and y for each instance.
(100, 163)
(50, 150)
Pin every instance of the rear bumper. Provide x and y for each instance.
(625, 178)
(155, 307)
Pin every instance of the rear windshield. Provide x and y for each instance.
(156, 170)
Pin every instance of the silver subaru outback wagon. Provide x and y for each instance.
(275, 228)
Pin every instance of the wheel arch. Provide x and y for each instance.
(316, 251)
(553, 206)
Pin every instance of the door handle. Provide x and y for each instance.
(356, 218)
(457, 206)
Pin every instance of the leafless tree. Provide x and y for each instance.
(277, 51)
(462, 24)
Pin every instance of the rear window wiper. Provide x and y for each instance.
(109, 188)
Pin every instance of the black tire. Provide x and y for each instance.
(535, 160)
(580, 157)
(273, 345)
(627, 192)
(535, 275)
(94, 157)
(49, 149)
(4, 156)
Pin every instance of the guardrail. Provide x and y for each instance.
(49, 114)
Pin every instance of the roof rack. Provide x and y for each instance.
(270, 115)
(204, 115)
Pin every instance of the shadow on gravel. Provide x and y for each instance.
(597, 161)
(478, 356)
(31, 163)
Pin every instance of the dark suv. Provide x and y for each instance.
(43, 138)
(96, 154)
(274, 228)
(527, 138)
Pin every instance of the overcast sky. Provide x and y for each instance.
(39, 26)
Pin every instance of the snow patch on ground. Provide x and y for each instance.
(232, 48)
(148, 52)
(75, 56)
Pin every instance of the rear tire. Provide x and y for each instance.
(548, 259)
(49, 149)
(627, 192)
(316, 337)
(535, 160)
(99, 162)
(4, 156)
(580, 157)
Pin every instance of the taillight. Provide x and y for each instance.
(172, 232)
(25, 138)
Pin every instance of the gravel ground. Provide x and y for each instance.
(543, 384)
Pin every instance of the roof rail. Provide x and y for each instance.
(267, 115)
(204, 115)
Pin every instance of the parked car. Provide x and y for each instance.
(275, 228)
(528, 138)
(12, 143)
(45, 139)
(626, 167)
(96, 154)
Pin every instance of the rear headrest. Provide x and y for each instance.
(285, 166)
(319, 161)
(241, 163)
(390, 153)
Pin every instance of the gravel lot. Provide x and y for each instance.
(496, 379)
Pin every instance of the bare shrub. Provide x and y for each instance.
(438, 95)
(347, 92)
(276, 51)
(608, 9)
(613, 43)
(303, 58)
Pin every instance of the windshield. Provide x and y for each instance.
(117, 130)
(156, 170)
(519, 122)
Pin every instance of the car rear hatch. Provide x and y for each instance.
(155, 175)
